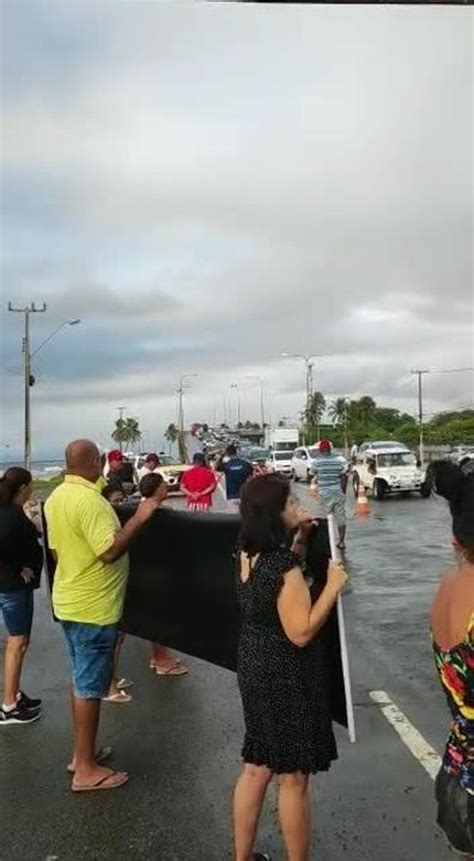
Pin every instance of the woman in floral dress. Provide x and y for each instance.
(453, 643)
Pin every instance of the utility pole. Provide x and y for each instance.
(29, 379)
(419, 374)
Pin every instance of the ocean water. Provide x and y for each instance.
(40, 468)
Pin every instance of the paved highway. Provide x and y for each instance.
(180, 738)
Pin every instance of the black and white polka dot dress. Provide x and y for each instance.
(283, 687)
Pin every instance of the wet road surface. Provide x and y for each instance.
(180, 738)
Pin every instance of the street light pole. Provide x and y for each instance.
(28, 378)
(237, 390)
(181, 389)
(262, 400)
(309, 373)
(419, 374)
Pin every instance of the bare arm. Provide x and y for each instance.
(125, 535)
(300, 619)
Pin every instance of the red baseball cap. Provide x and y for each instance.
(325, 446)
(115, 456)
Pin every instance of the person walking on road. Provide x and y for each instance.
(21, 561)
(331, 475)
(90, 547)
(236, 471)
(282, 668)
(198, 484)
(452, 625)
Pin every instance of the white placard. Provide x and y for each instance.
(342, 637)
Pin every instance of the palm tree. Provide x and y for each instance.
(314, 412)
(171, 433)
(338, 412)
(134, 433)
(119, 435)
(126, 431)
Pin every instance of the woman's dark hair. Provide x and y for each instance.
(109, 489)
(450, 481)
(12, 481)
(263, 500)
(199, 459)
(150, 484)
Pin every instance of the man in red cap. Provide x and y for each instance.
(118, 472)
(331, 472)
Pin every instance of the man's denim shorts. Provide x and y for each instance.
(91, 650)
(17, 609)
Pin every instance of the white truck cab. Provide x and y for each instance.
(389, 470)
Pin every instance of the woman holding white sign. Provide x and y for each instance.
(282, 668)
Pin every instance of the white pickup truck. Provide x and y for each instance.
(390, 470)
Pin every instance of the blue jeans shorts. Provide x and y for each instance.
(17, 609)
(91, 653)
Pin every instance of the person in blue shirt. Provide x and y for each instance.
(236, 471)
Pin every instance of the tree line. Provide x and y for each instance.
(363, 419)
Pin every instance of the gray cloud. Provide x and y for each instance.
(208, 186)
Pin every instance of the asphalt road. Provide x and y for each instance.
(180, 738)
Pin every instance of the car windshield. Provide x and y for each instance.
(282, 455)
(386, 445)
(396, 459)
(258, 454)
(167, 460)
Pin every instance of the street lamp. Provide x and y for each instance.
(262, 405)
(237, 390)
(74, 322)
(309, 372)
(29, 379)
(420, 374)
(180, 391)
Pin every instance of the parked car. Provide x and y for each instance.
(171, 470)
(257, 456)
(281, 462)
(301, 462)
(389, 470)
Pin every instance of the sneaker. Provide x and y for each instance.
(18, 716)
(261, 856)
(25, 702)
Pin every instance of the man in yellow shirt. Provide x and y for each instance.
(90, 546)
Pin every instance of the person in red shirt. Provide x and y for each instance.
(198, 484)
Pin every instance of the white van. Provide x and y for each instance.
(281, 462)
(389, 470)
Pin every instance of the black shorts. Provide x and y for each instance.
(455, 813)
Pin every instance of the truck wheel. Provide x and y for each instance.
(379, 489)
(308, 477)
(355, 483)
(294, 476)
(425, 490)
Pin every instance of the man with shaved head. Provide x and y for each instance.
(88, 593)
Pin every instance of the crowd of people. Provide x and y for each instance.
(283, 668)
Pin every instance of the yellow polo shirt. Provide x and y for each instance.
(81, 527)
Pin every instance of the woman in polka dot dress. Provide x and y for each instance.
(282, 668)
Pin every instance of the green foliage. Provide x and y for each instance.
(127, 431)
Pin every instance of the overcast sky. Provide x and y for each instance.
(206, 186)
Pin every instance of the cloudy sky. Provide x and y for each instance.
(206, 186)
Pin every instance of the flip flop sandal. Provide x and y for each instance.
(121, 777)
(101, 756)
(177, 669)
(124, 684)
(154, 666)
(121, 697)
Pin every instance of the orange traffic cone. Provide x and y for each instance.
(362, 508)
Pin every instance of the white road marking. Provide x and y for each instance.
(411, 737)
